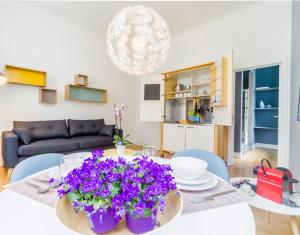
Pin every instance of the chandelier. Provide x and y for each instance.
(138, 40)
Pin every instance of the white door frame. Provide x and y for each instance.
(283, 109)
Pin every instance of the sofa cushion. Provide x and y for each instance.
(24, 134)
(41, 130)
(108, 130)
(48, 146)
(85, 127)
(92, 141)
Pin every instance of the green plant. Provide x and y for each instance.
(118, 140)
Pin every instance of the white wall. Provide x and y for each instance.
(259, 34)
(33, 39)
(295, 89)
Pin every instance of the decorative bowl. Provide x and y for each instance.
(77, 223)
(188, 168)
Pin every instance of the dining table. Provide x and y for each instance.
(23, 215)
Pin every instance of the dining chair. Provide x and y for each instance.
(35, 164)
(214, 163)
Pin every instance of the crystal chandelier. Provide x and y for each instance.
(138, 40)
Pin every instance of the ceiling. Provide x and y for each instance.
(95, 16)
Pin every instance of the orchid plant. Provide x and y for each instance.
(137, 187)
(118, 113)
(121, 141)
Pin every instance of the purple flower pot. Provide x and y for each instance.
(141, 224)
(101, 221)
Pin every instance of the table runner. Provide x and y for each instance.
(223, 200)
(49, 198)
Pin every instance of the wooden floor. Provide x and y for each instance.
(278, 224)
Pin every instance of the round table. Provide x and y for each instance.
(270, 206)
(22, 215)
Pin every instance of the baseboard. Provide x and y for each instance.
(265, 146)
(237, 155)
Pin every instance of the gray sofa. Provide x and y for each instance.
(55, 136)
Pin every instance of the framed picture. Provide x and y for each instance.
(298, 114)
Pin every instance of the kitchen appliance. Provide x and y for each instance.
(178, 87)
(276, 184)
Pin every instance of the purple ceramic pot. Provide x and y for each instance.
(101, 221)
(141, 224)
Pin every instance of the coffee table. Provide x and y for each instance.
(270, 206)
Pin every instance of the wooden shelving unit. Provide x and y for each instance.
(47, 96)
(85, 94)
(24, 76)
(219, 80)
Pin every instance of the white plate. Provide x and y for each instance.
(211, 184)
(206, 177)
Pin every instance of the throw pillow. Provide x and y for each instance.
(107, 130)
(24, 134)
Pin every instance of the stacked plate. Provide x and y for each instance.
(191, 174)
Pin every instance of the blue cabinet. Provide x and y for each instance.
(266, 92)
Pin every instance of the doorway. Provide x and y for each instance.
(256, 113)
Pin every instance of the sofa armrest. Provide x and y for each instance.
(10, 145)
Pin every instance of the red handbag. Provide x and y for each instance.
(274, 184)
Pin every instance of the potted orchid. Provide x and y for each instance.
(118, 113)
(121, 143)
(93, 188)
(145, 187)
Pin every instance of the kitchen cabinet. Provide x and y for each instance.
(173, 137)
(199, 137)
(178, 137)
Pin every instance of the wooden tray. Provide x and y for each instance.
(78, 223)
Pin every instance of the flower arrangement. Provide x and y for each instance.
(118, 113)
(94, 184)
(146, 185)
(107, 189)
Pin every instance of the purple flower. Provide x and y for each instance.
(139, 187)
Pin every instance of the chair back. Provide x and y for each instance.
(215, 164)
(35, 164)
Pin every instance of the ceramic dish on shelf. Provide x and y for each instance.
(205, 178)
(77, 223)
(210, 184)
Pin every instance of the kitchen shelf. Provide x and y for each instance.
(178, 92)
(265, 127)
(189, 98)
(201, 84)
(267, 89)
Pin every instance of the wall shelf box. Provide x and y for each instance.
(48, 96)
(85, 94)
(24, 76)
(81, 80)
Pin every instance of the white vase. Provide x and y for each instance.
(120, 150)
(261, 104)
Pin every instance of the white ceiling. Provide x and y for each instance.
(95, 16)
